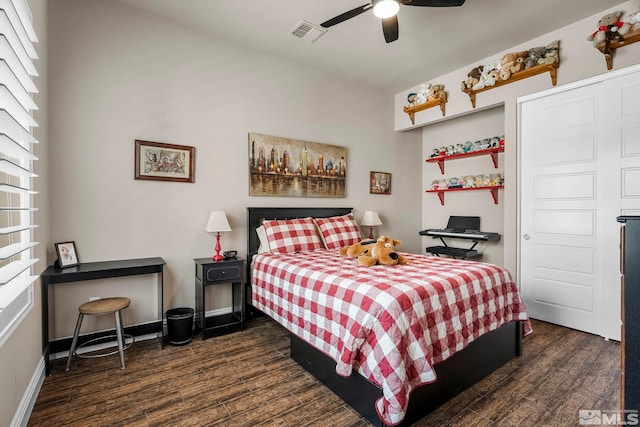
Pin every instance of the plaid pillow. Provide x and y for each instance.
(339, 231)
(292, 235)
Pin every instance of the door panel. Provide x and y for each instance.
(579, 168)
(559, 207)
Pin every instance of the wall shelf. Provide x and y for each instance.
(608, 51)
(492, 189)
(493, 152)
(529, 72)
(411, 111)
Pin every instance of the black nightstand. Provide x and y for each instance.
(208, 273)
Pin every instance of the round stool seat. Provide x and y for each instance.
(113, 305)
(104, 305)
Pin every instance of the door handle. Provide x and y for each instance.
(526, 237)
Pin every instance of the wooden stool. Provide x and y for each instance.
(98, 307)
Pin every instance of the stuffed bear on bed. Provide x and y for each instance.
(372, 252)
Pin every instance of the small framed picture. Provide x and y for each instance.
(67, 255)
(164, 162)
(379, 183)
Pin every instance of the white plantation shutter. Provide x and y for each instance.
(16, 163)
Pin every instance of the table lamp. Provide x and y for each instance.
(370, 219)
(217, 223)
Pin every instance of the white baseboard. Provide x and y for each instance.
(28, 401)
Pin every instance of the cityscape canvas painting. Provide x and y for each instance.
(294, 168)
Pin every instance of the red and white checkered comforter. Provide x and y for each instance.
(390, 323)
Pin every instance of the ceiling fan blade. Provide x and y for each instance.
(433, 3)
(390, 28)
(347, 15)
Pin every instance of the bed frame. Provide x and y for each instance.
(457, 373)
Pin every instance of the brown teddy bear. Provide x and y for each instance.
(372, 252)
(437, 92)
(473, 77)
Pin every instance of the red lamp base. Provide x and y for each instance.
(371, 232)
(217, 256)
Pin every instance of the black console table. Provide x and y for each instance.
(91, 271)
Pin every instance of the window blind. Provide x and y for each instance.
(17, 70)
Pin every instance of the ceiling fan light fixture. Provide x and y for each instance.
(385, 8)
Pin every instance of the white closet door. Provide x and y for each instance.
(579, 169)
(559, 208)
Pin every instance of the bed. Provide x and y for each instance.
(392, 341)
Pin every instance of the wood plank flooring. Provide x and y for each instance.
(247, 379)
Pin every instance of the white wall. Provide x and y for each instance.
(578, 60)
(117, 75)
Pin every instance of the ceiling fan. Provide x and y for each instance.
(387, 10)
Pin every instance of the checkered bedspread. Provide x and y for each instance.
(390, 323)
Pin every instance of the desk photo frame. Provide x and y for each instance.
(67, 254)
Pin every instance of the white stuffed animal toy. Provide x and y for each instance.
(423, 93)
(634, 19)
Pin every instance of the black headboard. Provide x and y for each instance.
(255, 216)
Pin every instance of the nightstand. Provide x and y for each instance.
(212, 273)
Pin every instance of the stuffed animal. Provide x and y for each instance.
(423, 94)
(473, 77)
(551, 54)
(490, 72)
(633, 19)
(372, 252)
(535, 53)
(610, 27)
(512, 63)
(411, 98)
(437, 92)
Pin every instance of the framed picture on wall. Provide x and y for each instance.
(67, 255)
(287, 167)
(379, 183)
(164, 162)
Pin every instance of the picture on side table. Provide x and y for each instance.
(67, 255)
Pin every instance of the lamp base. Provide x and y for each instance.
(217, 256)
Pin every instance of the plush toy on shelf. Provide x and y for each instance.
(633, 19)
(437, 92)
(610, 28)
(443, 184)
(469, 181)
(411, 99)
(473, 77)
(551, 54)
(423, 94)
(454, 182)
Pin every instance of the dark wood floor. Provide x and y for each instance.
(247, 379)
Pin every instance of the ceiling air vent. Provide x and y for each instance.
(308, 31)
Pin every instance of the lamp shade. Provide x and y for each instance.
(217, 222)
(385, 8)
(370, 219)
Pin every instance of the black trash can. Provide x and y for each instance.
(180, 325)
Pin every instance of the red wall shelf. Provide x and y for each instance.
(492, 189)
(493, 152)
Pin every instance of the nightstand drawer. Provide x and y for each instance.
(229, 273)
